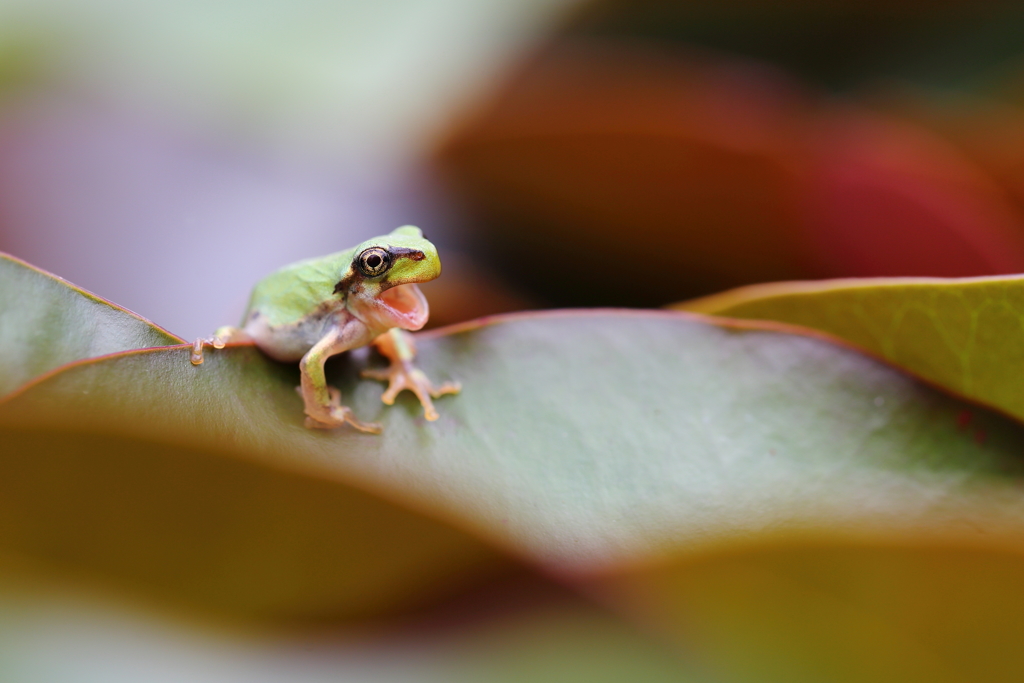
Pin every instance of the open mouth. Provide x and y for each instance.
(407, 306)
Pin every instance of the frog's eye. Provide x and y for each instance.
(373, 261)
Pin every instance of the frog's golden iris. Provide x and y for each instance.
(373, 262)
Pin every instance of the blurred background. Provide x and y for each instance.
(166, 156)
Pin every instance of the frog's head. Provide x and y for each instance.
(380, 286)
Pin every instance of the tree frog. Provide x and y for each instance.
(311, 310)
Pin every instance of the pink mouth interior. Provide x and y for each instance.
(407, 301)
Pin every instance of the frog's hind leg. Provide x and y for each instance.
(399, 347)
(345, 415)
(323, 402)
(223, 336)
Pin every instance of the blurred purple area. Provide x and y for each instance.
(168, 157)
(171, 223)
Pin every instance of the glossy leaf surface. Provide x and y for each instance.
(962, 334)
(657, 455)
(46, 321)
(585, 442)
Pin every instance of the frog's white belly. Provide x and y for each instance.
(289, 343)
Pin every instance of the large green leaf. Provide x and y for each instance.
(46, 321)
(966, 335)
(583, 439)
(224, 534)
(612, 445)
(230, 534)
(583, 442)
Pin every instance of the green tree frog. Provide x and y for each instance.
(311, 310)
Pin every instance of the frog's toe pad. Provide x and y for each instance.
(446, 388)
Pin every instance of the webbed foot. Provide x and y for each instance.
(401, 375)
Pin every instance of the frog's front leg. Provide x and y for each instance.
(323, 403)
(398, 346)
(223, 335)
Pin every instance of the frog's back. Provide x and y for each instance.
(296, 291)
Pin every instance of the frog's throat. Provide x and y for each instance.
(403, 306)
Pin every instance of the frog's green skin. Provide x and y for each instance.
(314, 309)
(293, 308)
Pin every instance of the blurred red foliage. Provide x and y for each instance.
(606, 172)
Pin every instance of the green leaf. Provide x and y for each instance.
(803, 612)
(584, 439)
(231, 535)
(46, 322)
(606, 445)
(242, 539)
(965, 335)
(583, 442)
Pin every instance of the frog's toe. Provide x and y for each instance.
(196, 357)
(335, 415)
(313, 423)
(446, 388)
(341, 416)
(382, 375)
(401, 377)
(424, 390)
(366, 427)
(223, 336)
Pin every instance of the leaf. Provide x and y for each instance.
(965, 335)
(723, 173)
(606, 446)
(584, 442)
(232, 535)
(541, 636)
(801, 611)
(592, 141)
(46, 322)
(885, 196)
